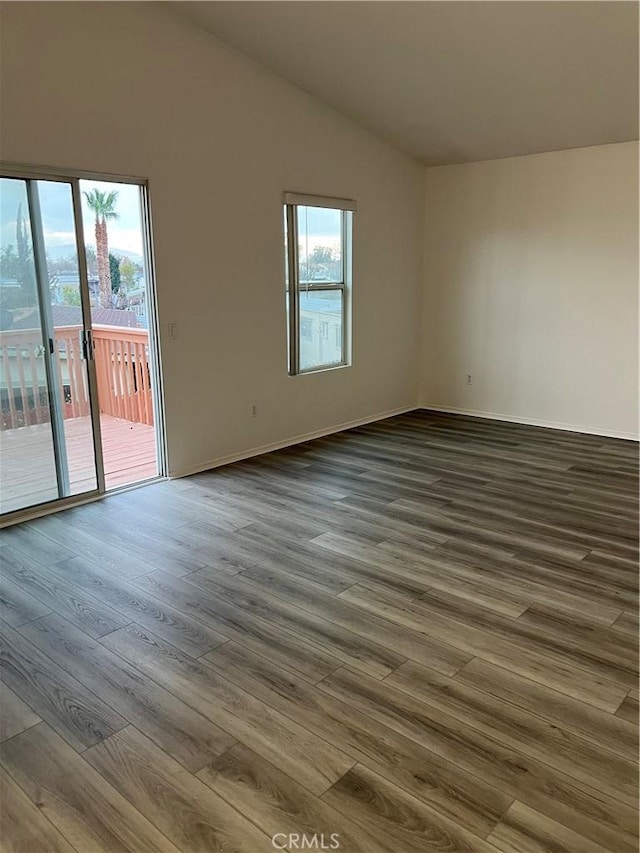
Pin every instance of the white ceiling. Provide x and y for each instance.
(451, 82)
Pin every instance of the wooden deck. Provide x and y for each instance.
(28, 471)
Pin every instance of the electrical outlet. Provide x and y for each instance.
(468, 379)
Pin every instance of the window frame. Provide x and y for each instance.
(294, 288)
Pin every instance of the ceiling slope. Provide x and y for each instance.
(452, 82)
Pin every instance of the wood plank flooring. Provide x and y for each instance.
(417, 635)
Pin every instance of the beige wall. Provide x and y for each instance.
(129, 89)
(531, 286)
(530, 263)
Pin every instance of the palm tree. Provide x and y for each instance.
(103, 203)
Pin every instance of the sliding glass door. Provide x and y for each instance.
(124, 330)
(50, 432)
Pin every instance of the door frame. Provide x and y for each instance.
(73, 178)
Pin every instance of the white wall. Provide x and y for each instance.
(531, 286)
(530, 263)
(130, 89)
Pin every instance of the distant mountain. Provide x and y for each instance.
(66, 250)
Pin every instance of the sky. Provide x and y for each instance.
(55, 202)
(316, 226)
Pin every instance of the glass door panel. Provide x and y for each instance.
(67, 323)
(120, 291)
(27, 450)
(47, 446)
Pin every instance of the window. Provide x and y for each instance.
(318, 281)
(306, 328)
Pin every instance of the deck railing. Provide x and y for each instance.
(124, 378)
(122, 367)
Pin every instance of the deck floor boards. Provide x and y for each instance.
(28, 467)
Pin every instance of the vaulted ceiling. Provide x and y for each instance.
(450, 82)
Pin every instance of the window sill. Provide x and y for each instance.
(312, 370)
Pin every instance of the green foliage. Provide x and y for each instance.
(9, 263)
(70, 296)
(13, 298)
(17, 262)
(25, 265)
(114, 269)
(128, 272)
(103, 204)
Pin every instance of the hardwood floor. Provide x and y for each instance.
(417, 635)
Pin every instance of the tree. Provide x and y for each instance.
(25, 268)
(71, 296)
(102, 204)
(17, 264)
(9, 260)
(129, 273)
(62, 265)
(114, 270)
(321, 255)
(92, 260)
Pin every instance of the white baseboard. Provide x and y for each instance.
(494, 416)
(289, 442)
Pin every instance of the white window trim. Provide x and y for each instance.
(347, 207)
(304, 200)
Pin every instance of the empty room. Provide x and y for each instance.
(319, 436)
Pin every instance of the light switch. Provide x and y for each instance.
(173, 330)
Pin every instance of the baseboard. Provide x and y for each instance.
(288, 442)
(494, 416)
